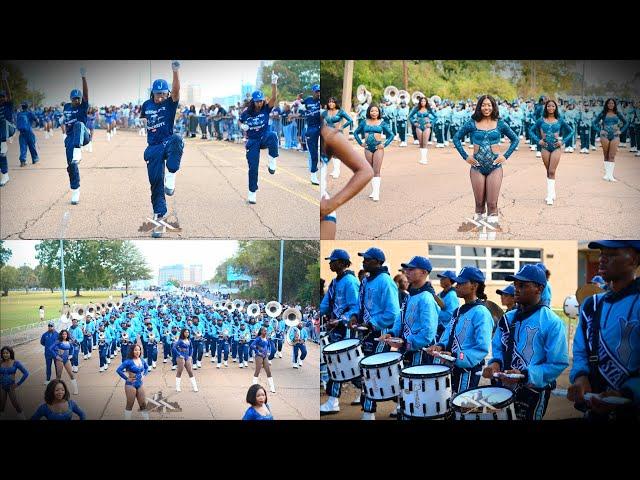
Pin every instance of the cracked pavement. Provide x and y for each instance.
(432, 201)
(209, 201)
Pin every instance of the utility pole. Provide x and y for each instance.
(281, 268)
(405, 76)
(347, 85)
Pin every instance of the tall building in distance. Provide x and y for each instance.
(191, 275)
(194, 95)
(195, 273)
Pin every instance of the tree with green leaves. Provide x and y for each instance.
(18, 85)
(27, 278)
(47, 277)
(8, 279)
(294, 77)
(129, 264)
(5, 254)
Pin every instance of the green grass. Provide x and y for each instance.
(20, 308)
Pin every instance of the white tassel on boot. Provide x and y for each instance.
(127, 414)
(551, 191)
(271, 385)
(178, 382)
(74, 382)
(255, 381)
(376, 188)
(194, 384)
(423, 156)
(145, 414)
(336, 168)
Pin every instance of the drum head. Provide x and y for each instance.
(380, 359)
(586, 291)
(498, 397)
(495, 310)
(425, 371)
(341, 346)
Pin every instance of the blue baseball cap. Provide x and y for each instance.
(338, 254)
(50, 324)
(160, 86)
(75, 93)
(469, 274)
(529, 273)
(508, 290)
(257, 96)
(374, 253)
(615, 244)
(597, 279)
(422, 263)
(315, 87)
(448, 274)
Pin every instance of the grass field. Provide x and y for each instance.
(21, 308)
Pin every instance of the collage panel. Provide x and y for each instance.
(129, 149)
(174, 330)
(470, 330)
(480, 149)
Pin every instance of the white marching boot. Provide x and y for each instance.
(169, 182)
(254, 381)
(77, 155)
(108, 137)
(423, 156)
(368, 416)
(376, 188)
(251, 197)
(145, 414)
(336, 168)
(608, 169)
(551, 191)
(314, 178)
(178, 382)
(90, 147)
(273, 163)
(127, 414)
(74, 383)
(271, 385)
(194, 384)
(4, 180)
(75, 196)
(332, 405)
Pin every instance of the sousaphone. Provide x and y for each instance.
(391, 94)
(403, 96)
(229, 307)
(273, 309)
(253, 310)
(362, 93)
(238, 304)
(292, 317)
(415, 96)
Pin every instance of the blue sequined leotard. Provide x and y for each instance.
(130, 366)
(423, 119)
(370, 131)
(7, 375)
(332, 120)
(609, 123)
(550, 133)
(484, 139)
(46, 412)
(64, 350)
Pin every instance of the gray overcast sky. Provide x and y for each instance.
(116, 81)
(208, 253)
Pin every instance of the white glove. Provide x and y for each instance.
(83, 72)
(274, 79)
(5, 74)
(175, 65)
(244, 126)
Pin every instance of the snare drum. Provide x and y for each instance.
(485, 403)
(324, 341)
(342, 359)
(381, 374)
(425, 391)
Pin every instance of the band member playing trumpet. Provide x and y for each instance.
(183, 350)
(605, 346)
(529, 346)
(136, 368)
(297, 336)
(104, 339)
(379, 311)
(198, 339)
(61, 351)
(262, 348)
(222, 331)
(340, 308)
(467, 338)
(8, 368)
(243, 338)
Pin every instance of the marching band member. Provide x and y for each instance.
(8, 368)
(507, 297)
(61, 350)
(486, 129)
(546, 133)
(585, 129)
(333, 144)
(546, 293)
(58, 405)
(418, 322)
(125, 345)
(136, 368)
(278, 336)
(77, 135)
(159, 113)
(167, 340)
(24, 119)
(47, 339)
(222, 332)
(571, 117)
(104, 339)
(449, 299)
(298, 335)
(255, 121)
(467, 337)
(197, 337)
(332, 117)
(261, 346)
(605, 346)
(608, 124)
(402, 115)
(7, 129)
(243, 337)
(529, 341)
(259, 409)
(312, 130)
(379, 310)
(87, 340)
(372, 127)
(183, 350)
(150, 339)
(422, 117)
(341, 305)
(76, 336)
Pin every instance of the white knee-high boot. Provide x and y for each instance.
(551, 191)
(194, 384)
(255, 381)
(127, 414)
(178, 382)
(376, 188)
(271, 385)
(423, 156)
(74, 383)
(608, 169)
(145, 414)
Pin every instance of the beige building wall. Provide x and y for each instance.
(560, 257)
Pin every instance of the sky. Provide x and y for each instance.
(114, 82)
(208, 253)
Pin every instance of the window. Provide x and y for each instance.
(441, 250)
